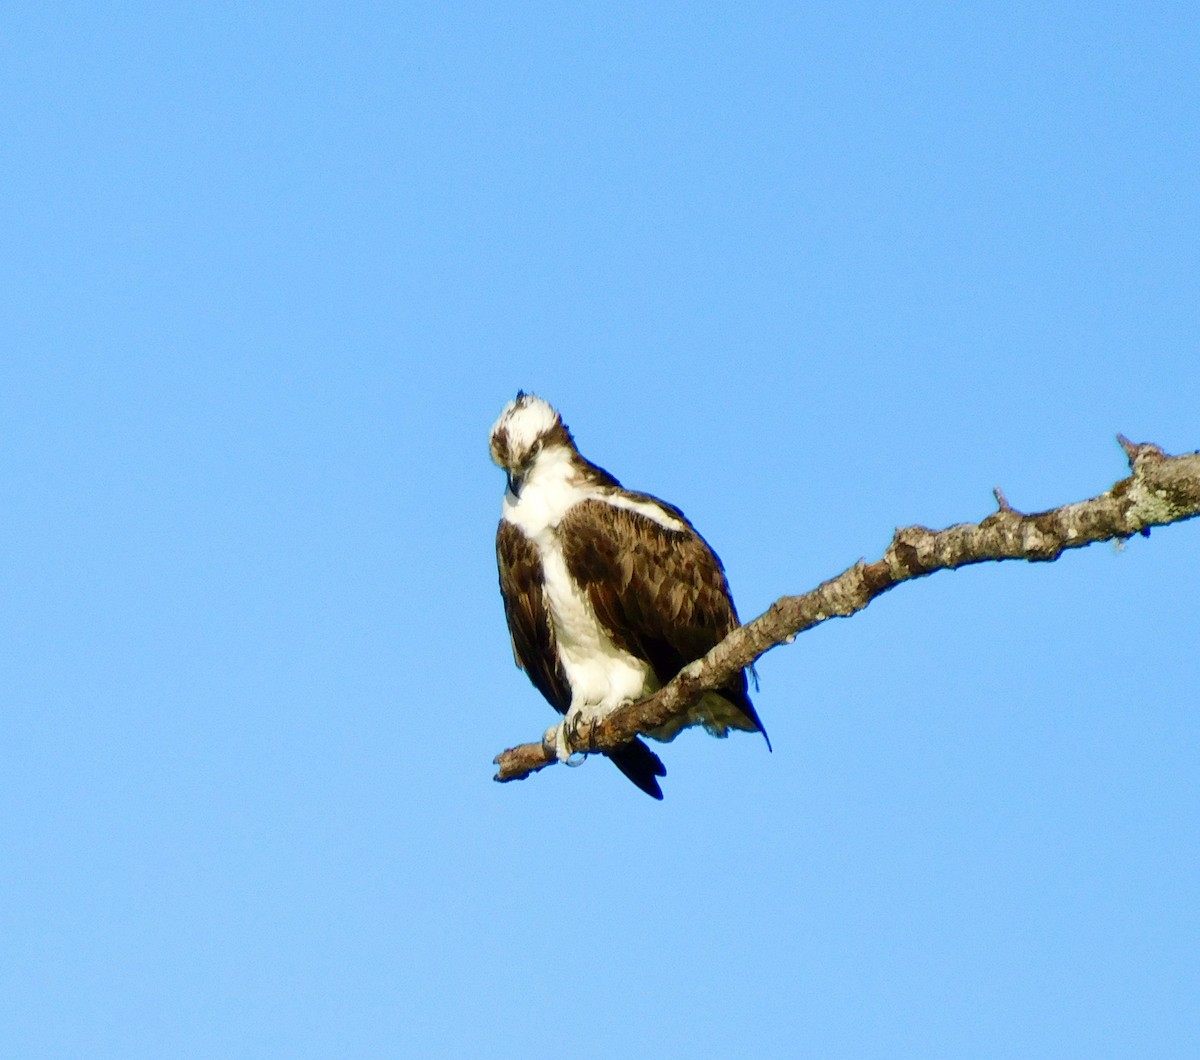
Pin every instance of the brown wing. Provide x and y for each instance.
(661, 594)
(528, 619)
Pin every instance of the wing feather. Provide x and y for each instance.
(661, 593)
(528, 617)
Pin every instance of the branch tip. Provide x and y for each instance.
(1001, 500)
(1131, 449)
(1136, 451)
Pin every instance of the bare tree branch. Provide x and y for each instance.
(1162, 489)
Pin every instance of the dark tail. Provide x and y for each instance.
(641, 765)
(747, 708)
(738, 696)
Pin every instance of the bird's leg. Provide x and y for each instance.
(570, 737)
(562, 738)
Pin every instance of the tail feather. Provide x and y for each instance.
(739, 698)
(641, 765)
(747, 708)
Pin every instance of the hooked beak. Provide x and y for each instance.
(515, 480)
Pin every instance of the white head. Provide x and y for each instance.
(527, 427)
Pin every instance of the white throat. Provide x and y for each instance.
(551, 488)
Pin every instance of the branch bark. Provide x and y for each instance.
(1162, 489)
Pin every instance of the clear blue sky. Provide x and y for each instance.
(808, 271)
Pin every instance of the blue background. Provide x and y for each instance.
(808, 271)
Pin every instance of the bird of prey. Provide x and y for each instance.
(608, 593)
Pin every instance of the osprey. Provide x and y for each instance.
(608, 593)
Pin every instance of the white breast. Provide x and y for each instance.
(601, 675)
